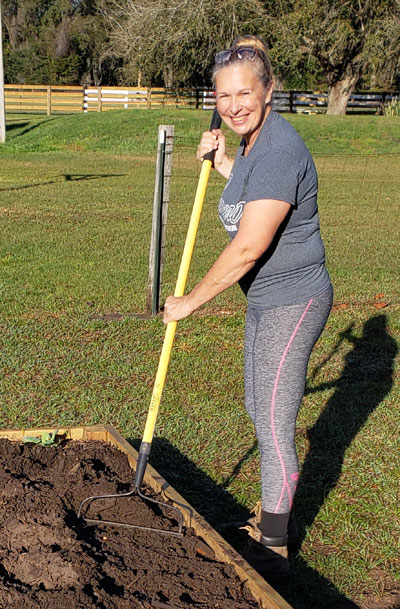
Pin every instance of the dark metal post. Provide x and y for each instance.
(154, 262)
(160, 210)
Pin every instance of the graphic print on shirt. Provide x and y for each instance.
(230, 214)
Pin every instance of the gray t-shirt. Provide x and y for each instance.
(279, 166)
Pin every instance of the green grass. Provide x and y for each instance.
(76, 205)
(133, 132)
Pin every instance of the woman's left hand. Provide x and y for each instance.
(176, 308)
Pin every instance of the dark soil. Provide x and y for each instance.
(51, 560)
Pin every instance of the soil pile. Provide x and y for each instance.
(50, 560)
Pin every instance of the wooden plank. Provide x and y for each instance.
(73, 433)
(66, 110)
(66, 104)
(26, 87)
(64, 95)
(35, 93)
(31, 97)
(23, 104)
(76, 88)
(43, 87)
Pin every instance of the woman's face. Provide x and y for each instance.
(241, 99)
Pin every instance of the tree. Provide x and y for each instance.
(174, 41)
(55, 42)
(350, 39)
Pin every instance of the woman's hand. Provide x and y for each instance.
(176, 308)
(213, 140)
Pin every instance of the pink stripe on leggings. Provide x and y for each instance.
(285, 478)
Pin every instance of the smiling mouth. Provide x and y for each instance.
(238, 120)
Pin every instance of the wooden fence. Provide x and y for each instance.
(312, 102)
(59, 99)
(43, 99)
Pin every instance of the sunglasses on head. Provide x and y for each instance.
(239, 53)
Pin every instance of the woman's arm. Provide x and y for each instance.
(258, 225)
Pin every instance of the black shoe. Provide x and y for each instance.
(249, 525)
(268, 556)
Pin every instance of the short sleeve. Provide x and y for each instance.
(274, 175)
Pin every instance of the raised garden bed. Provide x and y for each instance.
(51, 559)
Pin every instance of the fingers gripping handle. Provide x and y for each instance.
(145, 447)
(215, 124)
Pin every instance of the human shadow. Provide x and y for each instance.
(366, 379)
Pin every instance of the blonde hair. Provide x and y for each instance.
(260, 63)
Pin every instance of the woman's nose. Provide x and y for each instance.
(235, 105)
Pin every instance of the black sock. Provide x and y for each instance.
(274, 525)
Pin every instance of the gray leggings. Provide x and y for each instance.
(278, 344)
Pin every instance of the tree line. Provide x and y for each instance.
(338, 45)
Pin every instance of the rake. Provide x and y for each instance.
(145, 446)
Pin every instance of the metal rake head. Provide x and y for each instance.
(137, 491)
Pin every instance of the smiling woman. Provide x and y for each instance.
(242, 101)
(243, 95)
(269, 210)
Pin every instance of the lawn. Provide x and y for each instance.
(76, 206)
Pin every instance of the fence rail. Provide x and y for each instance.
(59, 99)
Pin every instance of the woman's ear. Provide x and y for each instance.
(269, 93)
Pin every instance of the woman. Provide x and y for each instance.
(269, 209)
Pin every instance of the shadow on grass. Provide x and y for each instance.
(77, 177)
(31, 125)
(366, 379)
(68, 177)
(16, 125)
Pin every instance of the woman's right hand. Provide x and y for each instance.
(213, 140)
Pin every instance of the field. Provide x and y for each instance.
(76, 205)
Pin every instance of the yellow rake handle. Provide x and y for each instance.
(147, 439)
(179, 291)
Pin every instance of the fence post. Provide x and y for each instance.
(291, 101)
(48, 100)
(2, 95)
(169, 144)
(160, 213)
(99, 105)
(148, 99)
(383, 103)
(84, 102)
